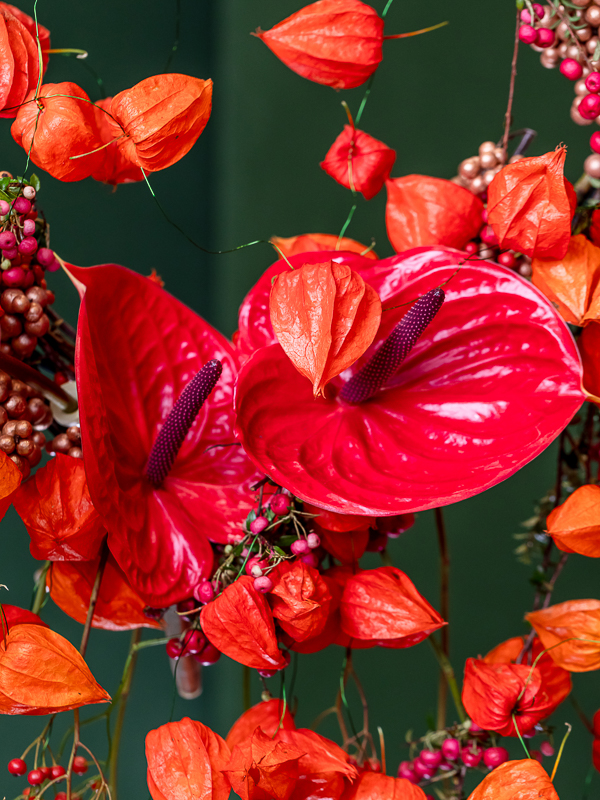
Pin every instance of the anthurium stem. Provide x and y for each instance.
(125, 689)
(444, 610)
(93, 600)
(40, 591)
(448, 671)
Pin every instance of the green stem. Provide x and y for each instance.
(345, 227)
(113, 756)
(40, 591)
(448, 671)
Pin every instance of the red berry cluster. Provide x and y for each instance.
(38, 775)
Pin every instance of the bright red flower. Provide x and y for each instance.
(299, 599)
(240, 624)
(317, 242)
(115, 167)
(265, 715)
(19, 59)
(158, 534)
(58, 126)
(530, 207)
(57, 510)
(324, 771)
(525, 779)
(383, 604)
(14, 615)
(359, 162)
(468, 407)
(589, 347)
(570, 631)
(422, 210)
(333, 521)
(347, 547)
(373, 786)
(336, 43)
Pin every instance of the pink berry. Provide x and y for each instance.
(592, 82)
(263, 584)
(10, 253)
(28, 246)
(259, 565)
(451, 749)
(484, 216)
(280, 504)
(7, 240)
(185, 607)
(595, 141)
(174, 648)
(259, 524)
(312, 540)
(29, 279)
(471, 755)
(14, 276)
(545, 37)
(488, 236)
(470, 248)
(528, 34)
(193, 642)
(406, 771)
(494, 756)
(507, 259)
(17, 766)
(547, 749)
(571, 69)
(29, 192)
(589, 107)
(22, 205)
(299, 547)
(538, 10)
(431, 758)
(4, 208)
(422, 770)
(204, 592)
(29, 227)
(210, 655)
(310, 559)
(55, 265)
(45, 256)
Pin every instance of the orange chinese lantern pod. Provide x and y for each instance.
(115, 168)
(347, 546)
(422, 210)
(575, 525)
(324, 316)
(577, 621)
(317, 242)
(299, 599)
(10, 480)
(525, 779)
(159, 120)
(383, 604)
(262, 768)
(119, 607)
(185, 760)
(374, 786)
(266, 715)
(529, 206)
(19, 59)
(336, 43)
(59, 125)
(493, 693)
(332, 630)
(42, 673)
(240, 624)
(359, 162)
(571, 282)
(57, 510)
(589, 349)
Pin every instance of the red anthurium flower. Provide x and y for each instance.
(266, 715)
(19, 59)
(575, 525)
(570, 631)
(262, 768)
(10, 480)
(115, 167)
(333, 521)
(240, 624)
(333, 42)
(14, 615)
(347, 547)
(468, 407)
(493, 693)
(324, 770)
(422, 210)
(57, 510)
(359, 162)
(383, 604)
(530, 206)
(158, 530)
(185, 760)
(59, 125)
(525, 779)
(373, 786)
(299, 599)
(316, 242)
(119, 607)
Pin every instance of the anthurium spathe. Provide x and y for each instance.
(42, 673)
(269, 715)
(359, 162)
(525, 779)
(468, 406)
(570, 631)
(422, 210)
(158, 533)
(575, 525)
(336, 43)
(373, 786)
(299, 599)
(14, 615)
(325, 317)
(315, 242)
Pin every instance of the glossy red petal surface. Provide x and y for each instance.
(137, 348)
(492, 381)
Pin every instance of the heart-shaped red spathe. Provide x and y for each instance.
(137, 348)
(491, 382)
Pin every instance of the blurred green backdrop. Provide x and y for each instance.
(255, 173)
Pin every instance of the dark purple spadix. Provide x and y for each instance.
(394, 350)
(180, 420)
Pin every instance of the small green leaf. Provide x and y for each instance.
(35, 182)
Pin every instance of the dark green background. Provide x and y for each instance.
(255, 173)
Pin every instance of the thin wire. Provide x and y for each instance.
(175, 46)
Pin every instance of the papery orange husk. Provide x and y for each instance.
(19, 59)
(575, 525)
(359, 162)
(185, 760)
(493, 693)
(57, 510)
(14, 615)
(42, 673)
(266, 715)
(162, 118)
(240, 624)
(525, 779)
(59, 125)
(528, 206)
(422, 210)
(336, 43)
(589, 348)
(299, 599)
(324, 771)
(317, 242)
(374, 786)
(333, 521)
(119, 607)
(332, 630)
(337, 578)
(571, 283)
(262, 768)
(35, 31)
(324, 316)
(347, 546)
(10, 480)
(576, 620)
(115, 167)
(383, 604)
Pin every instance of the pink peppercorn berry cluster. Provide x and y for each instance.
(39, 775)
(450, 757)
